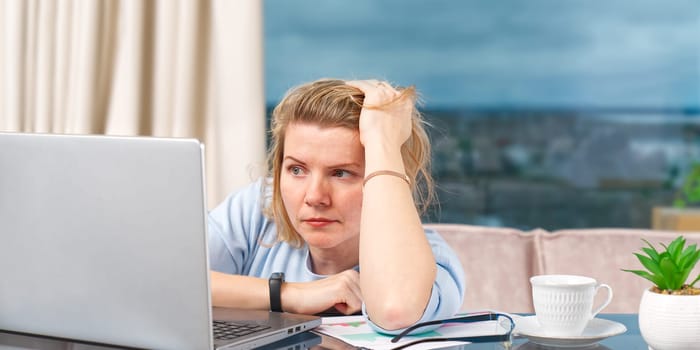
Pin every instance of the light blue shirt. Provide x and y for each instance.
(241, 241)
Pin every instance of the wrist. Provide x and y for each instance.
(399, 175)
(275, 286)
(383, 158)
(286, 293)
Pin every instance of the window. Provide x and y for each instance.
(547, 113)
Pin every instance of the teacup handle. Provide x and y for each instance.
(606, 302)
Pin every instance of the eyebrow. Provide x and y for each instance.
(334, 166)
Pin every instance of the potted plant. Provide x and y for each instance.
(669, 312)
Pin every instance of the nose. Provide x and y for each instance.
(317, 192)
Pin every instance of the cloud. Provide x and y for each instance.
(535, 52)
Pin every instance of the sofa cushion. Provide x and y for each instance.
(601, 254)
(497, 263)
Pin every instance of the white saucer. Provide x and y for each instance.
(596, 330)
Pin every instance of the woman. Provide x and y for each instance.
(338, 215)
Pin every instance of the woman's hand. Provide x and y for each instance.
(386, 116)
(341, 291)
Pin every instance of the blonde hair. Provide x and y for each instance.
(332, 103)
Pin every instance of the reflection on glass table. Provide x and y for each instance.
(629, 340)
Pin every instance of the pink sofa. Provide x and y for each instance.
(498, 262)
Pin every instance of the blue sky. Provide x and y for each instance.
(534, 53)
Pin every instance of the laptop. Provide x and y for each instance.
(103, 239)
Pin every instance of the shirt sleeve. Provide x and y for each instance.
(448, 289)
(234, 228)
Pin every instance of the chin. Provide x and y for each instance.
(320, 242)
(320, 239)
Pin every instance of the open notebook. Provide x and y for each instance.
(103, 239)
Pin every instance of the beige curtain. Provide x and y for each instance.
(169, 68)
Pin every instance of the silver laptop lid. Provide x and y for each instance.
(79, 215)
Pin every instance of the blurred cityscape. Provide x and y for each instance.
(559, 169)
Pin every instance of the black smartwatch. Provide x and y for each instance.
(275, 282)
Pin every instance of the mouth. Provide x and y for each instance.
(318, 222)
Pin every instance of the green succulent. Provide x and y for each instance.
(670, 268)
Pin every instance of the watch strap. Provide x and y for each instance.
(275, 284)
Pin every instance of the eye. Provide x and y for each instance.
(341, 173)
(296, 170)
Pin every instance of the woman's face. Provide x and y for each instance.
(321, 184)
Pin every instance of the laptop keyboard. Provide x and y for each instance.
(229, 330)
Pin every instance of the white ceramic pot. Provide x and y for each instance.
(670, 322)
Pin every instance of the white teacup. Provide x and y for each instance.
(564, 303)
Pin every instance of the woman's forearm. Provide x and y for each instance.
(238, 291)
(397, 267)
(340, 290)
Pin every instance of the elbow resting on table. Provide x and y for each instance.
(392, 316)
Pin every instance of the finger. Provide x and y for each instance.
(350, 295)
(355, 284)
(355, 289)
(343, 308)
(363, 85)
(371, 84)
(347, 310)
(352, 305)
